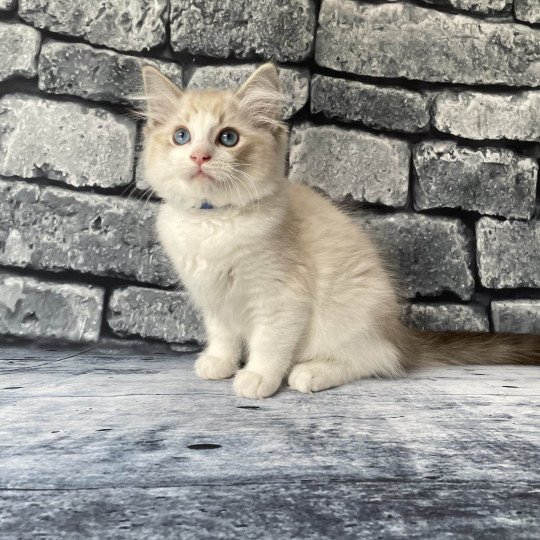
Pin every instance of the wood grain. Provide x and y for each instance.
(122, 443)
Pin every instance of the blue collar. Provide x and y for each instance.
(206, 205)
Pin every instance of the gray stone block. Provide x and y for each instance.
(126, 25)
(346, 162)
(447, 317)
(489, 180)
(379, 107)
(151, 313)
(484, 7)
(527, 10)
(8, 5)
(19, 48)
(97, 74)
(403, 40)
(281, 31)
(140, 180)
(518, 316)
(69, 142)
(478, 115)
(56, 229)
(294, 82)
(429, 254)
(508, 253)
(35, 308)
(185, 348)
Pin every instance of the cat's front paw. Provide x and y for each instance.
(212, 367)
(250, 384)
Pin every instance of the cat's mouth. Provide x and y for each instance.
(201, 176)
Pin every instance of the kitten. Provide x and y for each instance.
(275, 268)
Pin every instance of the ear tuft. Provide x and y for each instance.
(261, 98)
(160, 94)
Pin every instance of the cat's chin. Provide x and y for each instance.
(191, 190)
(194, 193)
(201, 176)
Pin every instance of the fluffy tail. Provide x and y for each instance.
(458, 348)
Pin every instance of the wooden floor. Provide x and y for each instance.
(124, 443)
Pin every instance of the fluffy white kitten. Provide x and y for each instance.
(276, 269)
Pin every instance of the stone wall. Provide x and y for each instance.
(422, 116)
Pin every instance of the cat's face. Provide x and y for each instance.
(220, 147)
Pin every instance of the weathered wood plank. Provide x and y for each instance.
(131, 444)
(145, 440)
(130, 421)
(389, 510)
(172, 373)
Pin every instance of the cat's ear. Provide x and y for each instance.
(261, 98)
(160, 95)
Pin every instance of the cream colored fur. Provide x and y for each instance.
(276, 269)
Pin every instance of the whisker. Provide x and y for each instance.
(150, 192)
(131, 190)
(232, 172)
(234, 183)
(227, 183)
(250, 178)
(246, 188)
(231, 178)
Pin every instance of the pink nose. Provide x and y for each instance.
(200, 157)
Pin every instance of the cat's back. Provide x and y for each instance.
(341, 254)
(325, 225)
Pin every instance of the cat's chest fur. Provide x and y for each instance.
(213, 257)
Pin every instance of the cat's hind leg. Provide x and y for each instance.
(379, 358)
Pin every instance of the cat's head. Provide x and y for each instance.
(224, 147)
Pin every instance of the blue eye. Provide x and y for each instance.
(181, 136)
(228, 137)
